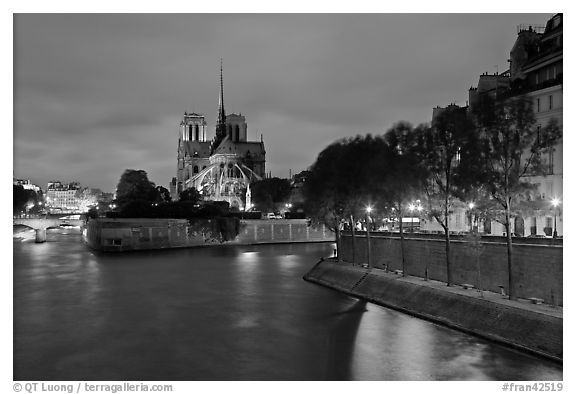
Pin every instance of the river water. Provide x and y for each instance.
(224, 313)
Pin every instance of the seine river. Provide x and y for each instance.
(224, 313)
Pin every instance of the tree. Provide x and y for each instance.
(163, 194)
(441, 149)
(338, 187)
(325, 194)
(191, 195)
(134, 185)
(92, 213)
(401, 175)
(22, 198)
(513, 146)
(19, 198)
(363, 174)
(268, 193)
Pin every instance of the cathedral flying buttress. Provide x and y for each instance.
(223, 168)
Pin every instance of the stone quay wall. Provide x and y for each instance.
(118, 235)
(537, 269)
(503, 322)
(282, 230)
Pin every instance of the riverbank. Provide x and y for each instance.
(535, 328)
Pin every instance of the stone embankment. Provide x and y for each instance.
(537, 268)
(119, 235)
(520, 324)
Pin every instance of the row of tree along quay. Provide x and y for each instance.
(483, 154)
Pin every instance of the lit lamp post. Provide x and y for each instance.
(555, 203)
(368, 210)
(471, 207)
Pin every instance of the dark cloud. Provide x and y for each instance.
(95, 94)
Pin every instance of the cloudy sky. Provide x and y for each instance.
(97, 94)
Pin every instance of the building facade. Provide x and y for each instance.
(63, 198)
(536, 72)
(220, 169)
(71, 197)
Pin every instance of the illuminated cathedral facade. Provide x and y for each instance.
(220, 169)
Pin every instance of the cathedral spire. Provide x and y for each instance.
(221, 123)
(221, 112)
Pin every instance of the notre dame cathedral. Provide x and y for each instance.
(223, 168)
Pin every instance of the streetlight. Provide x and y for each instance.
(368, 210)
(555, 203)
(471, 206)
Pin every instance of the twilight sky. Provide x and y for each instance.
(96, 94)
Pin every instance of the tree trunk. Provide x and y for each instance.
(447, 239)
(353, 228)
(448, 265)
(511, 291)
(402, 246)
(338, 241)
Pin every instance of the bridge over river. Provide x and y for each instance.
(42, 223)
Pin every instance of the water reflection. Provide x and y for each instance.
(342, 341)
(231, 313)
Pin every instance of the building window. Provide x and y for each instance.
(554, 72)
(195, 169)
(550, 101)
(237, 133)
(538, 105)
(197, 132)
(537, 78)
